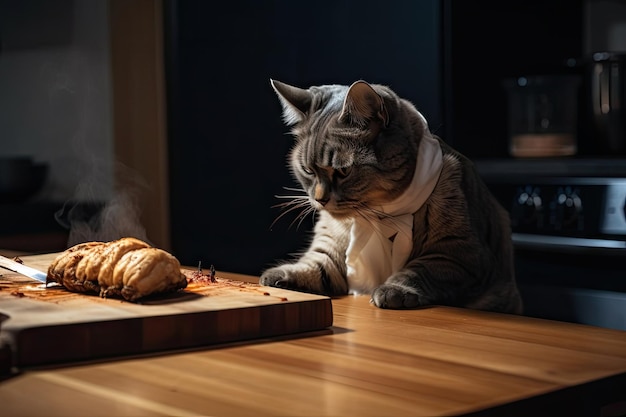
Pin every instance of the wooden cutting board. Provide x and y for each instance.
(49, 325)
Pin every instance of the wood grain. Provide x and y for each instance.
(371, 362)
(44, 325)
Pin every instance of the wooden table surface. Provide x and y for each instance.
(371, 362)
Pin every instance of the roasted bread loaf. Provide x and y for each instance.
(126, 267)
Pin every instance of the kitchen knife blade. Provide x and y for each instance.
(15, 266)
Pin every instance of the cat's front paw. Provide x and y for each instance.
(393, 296)
(275, 277)
(295, 277)
(304, 277)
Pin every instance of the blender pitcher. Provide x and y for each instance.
(542, 115)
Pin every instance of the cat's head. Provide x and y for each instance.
(355, 146)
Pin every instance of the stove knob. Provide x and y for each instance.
(528, 208)
(568, 209)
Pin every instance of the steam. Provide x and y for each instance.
(90, 217)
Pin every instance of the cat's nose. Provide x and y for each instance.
(321, 194)
(322, 200)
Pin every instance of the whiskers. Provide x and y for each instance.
(300, 204)
(295, 202)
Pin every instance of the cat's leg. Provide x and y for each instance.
(411, 289)
(396, 293)
(424, 283)
(395, 297)
(322, 268)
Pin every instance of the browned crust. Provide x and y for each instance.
(127, 267)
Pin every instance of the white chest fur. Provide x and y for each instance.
(380, 247)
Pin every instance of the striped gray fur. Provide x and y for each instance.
(356, 149)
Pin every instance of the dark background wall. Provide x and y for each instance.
(228, 144)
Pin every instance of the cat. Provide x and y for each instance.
(400, 214)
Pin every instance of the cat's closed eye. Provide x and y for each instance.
(343, 172)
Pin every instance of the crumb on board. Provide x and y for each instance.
(198, 276)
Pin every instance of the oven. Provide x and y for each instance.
(569, 232)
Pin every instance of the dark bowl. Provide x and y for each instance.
(20, 178)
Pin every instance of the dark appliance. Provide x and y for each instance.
(566, 202)
(21, 178)
(486, 42)
(569, 229)
(542, 115)
(608, 100)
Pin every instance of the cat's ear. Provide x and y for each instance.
(295, 101)
(363, 105)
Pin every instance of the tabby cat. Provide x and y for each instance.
(400, 214)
